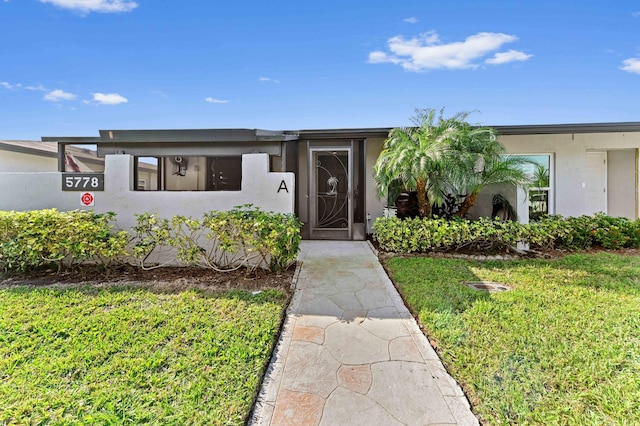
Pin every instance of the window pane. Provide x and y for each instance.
(225, 173)
(538, 203)
(540, 190)
(147, 173)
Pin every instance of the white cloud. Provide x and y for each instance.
(215, 101)
(636, 14)
(109, 98)
(269, 80)
(9, 86)
(508, 56)
(88, 6)
(38, 88)
(411, 20)
(631, 65)
(58, 95)
(427, 52)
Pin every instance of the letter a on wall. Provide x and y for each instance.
(283, 185)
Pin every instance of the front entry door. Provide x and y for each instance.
(330, 193)
(597, 182)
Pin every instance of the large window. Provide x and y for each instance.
(541, 189)
(182, 173)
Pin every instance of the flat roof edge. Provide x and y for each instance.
(543, 129)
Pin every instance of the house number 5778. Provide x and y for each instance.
(82, 181)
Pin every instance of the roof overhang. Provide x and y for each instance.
(548, 129)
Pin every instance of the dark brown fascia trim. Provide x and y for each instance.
(72, 140)
(359, 133)
(195, 136)
(258, 135)
(548, 129)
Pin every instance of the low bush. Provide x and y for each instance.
(550, 232)
(422, 235)
(38, 238)
(222, 240)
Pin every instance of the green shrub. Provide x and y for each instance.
(550, 232)
(37, 238)
(422, 235)
(615, 232)
(557, 232)
(222, 240)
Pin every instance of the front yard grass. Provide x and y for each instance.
(561, 347)
(123, 355)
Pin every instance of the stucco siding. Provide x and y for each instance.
(570, 155)
(31, 191)
(374, 206)
(621, 179)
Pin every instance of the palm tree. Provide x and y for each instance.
(444, 156)
(412, 159)
(475, 160)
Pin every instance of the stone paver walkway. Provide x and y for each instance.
(351, 353)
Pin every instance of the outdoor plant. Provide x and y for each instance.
(443, 157)
(41, 237)
(245, 236)
(423, 235)
(548, 233)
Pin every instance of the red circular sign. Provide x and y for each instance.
(87, 199)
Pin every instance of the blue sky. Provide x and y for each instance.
(72, 67)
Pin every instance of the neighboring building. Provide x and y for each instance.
(41, 156)
(326, 176)
(36, 156)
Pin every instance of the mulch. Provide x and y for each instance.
(165, 278)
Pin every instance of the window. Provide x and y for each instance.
(541, 188)
(147, 173)
(188, 173)
(224, 173)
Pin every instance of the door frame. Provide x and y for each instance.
(329, 233)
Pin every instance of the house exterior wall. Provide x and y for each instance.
(571, 174)
(374, 206)
(193, 180)
(33, 191)
(621, 176)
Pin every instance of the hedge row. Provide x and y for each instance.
(245, 236)
(551, 232)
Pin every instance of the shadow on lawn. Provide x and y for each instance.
(251, 297)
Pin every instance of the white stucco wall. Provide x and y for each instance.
(571, 174)
(621, 176)
(374, 206)
(32, 191)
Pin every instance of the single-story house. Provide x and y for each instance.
(326, 176)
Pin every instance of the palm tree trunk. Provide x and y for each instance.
(424, 205)
(467, 203)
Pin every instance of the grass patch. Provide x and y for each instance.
(131, 356)
(562, 347)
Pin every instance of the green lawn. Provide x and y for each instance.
(562, 347)
(130, 356)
